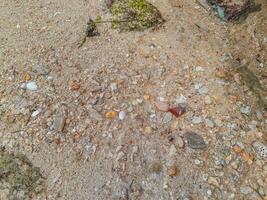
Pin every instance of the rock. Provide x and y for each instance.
(180, 142)
(122, 115)
(59, 122)
(36, 113)
(199, 69)
(95, 115)
(120, 156)
(172, 151)
(218, 122)
(31, 86)
(195, 141)
(41, 70)
(155, 168)
(213, 181)
(201, 89)
(113, 87)
(148, 130)
(196, 120)
(209, 123)
(162, 106)
(172, 171)
(167, 118)
(261, 150)
(207, 100)
(246, 190)
(181, 100)
(111, 114)
(245, 110)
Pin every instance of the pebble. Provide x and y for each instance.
(203, 90)
(162, 106)
(172, 151)
(172, 171)
(120, 156)
(245, 110)
(122, 115)
(181, 99)
(180, 142)
(218, 122)
(113, 87)
(111, 114)
(209, 123)
(59, 122)
(199, 69)
(36, 113)
(196, 120)
(207, 100)
(246, 190)
(195, 141)
(260, 149)
(95, 115)
(148, 130)
(213, 181)
(167, 118)
(31, 86)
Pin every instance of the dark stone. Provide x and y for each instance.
(195, 141)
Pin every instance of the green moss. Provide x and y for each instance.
(18, 172)
(134, 15)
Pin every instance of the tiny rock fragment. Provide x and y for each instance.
(31, 86)
(246, 110)
(195, 141)
(95, 115)
(237, 149)
(148, 130)
(167, 118)
(261, 150)
(196, 120)
(247, 157)
(155, 168)
(162, 106)
(146, 97)
(177, 111)
(122, 115)
(91, 29)
(26, 77)
(180, 142)
(35, 113)
(221, 74)
(172, 171)
(59, 122)
(75, 86)
(111, 114)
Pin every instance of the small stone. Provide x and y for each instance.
(75, 86)
(221, 74)
(195, 141)
(167, 118)
(261, 150)
(95, 115)
(162, 106)
(148, 130)
(35, 113)
(199, 69)
(113, 87)
(172, 171)
(245, 110)
(172, 151)
(246, 190)
(213, 181)
(207, 100)
(209, 123)
(180, 142)
(122, 115)
(26, 77)
(181, 100)
(59, 122)
(197, 162)
(218, 122)
(196, 120)
(31, 86)
(120, 156)
(146, 97)
(259, 115)
(155, 168)
(111, 114)
(203, 90)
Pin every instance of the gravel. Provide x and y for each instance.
(195, 141)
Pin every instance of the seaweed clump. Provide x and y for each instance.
(17, 172)
(134, 15)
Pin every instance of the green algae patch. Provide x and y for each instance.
(134, 15)
(17, 172)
